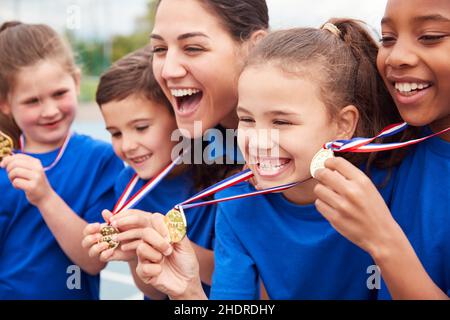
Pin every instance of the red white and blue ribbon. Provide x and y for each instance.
(231, 181)
(124, 203)
(362, 145)
(58, 156)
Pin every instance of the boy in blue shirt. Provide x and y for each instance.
(141, 122)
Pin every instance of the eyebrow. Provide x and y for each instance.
(272, 113)
(431, 17)
(181, 37)
(150, 120)
(239, 108)
(281, 113)
(30, 98)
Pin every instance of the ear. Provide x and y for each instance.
(347, 120)
(5, 107)
(254, 39)
(257, 36)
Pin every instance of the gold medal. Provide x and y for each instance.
(318, 161)
(6, 145)
(176, 223)
(107, 232)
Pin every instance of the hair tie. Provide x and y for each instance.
(332, 28)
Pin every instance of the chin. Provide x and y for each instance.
(416, 121)
(143, 174)
(265, 184)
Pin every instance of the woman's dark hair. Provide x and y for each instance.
(240, 17)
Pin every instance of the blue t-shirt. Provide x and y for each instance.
(32, 264)
(421, 206)
(168, 193)
(292, 248)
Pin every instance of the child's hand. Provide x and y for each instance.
(91, 239)
(130, 220)
(170, 268)
(348, 199)
(26, 173)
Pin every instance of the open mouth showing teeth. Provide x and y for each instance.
(272, 166)
(409, 89)
(187, 99)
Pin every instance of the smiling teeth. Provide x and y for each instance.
(183, 92)
(408, 87)
(272, 165)
(140, 159)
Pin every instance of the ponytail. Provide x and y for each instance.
(341, 58)
(365, 50)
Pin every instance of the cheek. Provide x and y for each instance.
(158, 65)
(25, 117)
(160, 138)
(222, 80)
(68, 105)
(117, 147)
(166, 129)
(242, 142)
(443, 71)
(295, 147)
(381, 57)
(301, 146)
(228, 80)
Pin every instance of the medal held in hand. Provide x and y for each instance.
(107, 233)
(126, 202)
(366, 145)
(318, 161)
(6, 145)
(176, 223)
(175, 219)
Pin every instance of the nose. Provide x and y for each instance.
(129, 144)
(49, 109)
(172, 66)
(402, 55)
(264, 142)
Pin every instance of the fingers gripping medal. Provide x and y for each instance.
(126, 202)
(6, 145)
(107, 233)
(366, 145)
(175, 221)
(318, 161)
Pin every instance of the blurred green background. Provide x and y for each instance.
(94, 56)
(99, 31)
